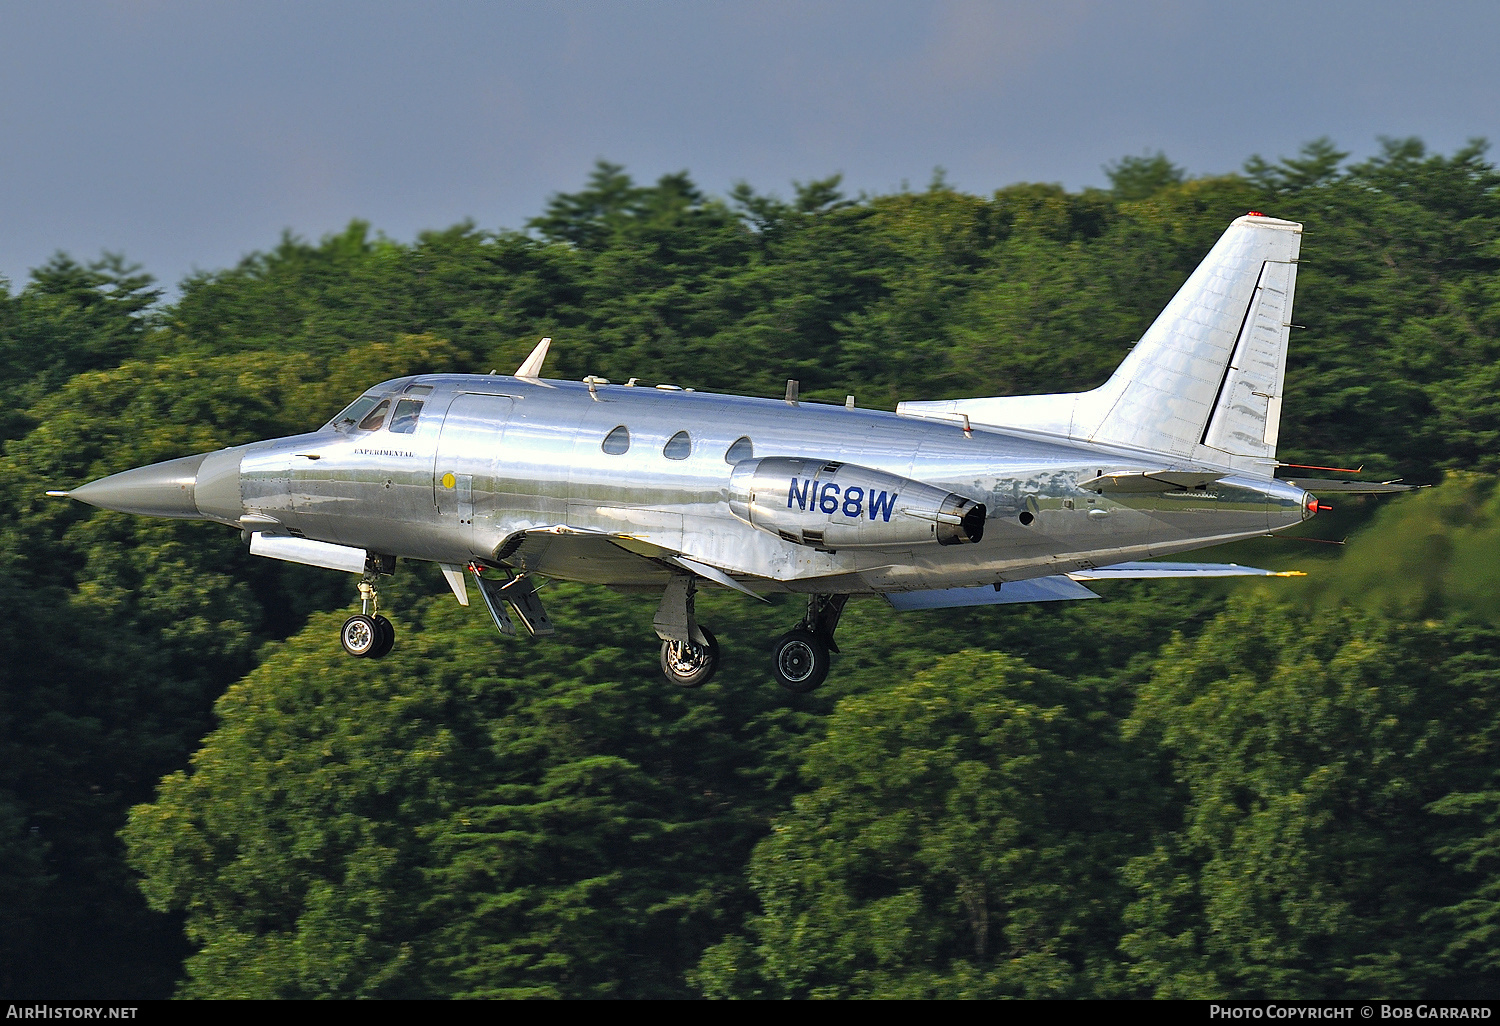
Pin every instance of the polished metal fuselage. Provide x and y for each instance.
(493, 458)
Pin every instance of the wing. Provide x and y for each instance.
(588, 558)
(618, 561)
(1142, 571)
(1065, 587)
(1037, 589)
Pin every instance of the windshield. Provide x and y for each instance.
(375, 419)
(354, 413)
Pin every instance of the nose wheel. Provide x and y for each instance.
(367, 634)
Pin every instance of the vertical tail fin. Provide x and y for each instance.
(1203, 383)
(1205, 380)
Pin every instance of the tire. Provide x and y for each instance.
(688, 665)
(387, 638)
(360, 635)
(800, 661)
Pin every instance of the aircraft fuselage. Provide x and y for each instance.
(491, 457)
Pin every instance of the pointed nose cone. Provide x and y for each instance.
(160, 490)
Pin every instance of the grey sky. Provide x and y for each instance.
(187, 134)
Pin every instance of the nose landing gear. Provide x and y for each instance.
(367, 634)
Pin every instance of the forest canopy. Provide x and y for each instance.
(1187, 790)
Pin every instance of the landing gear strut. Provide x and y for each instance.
(367, 634)
(689, 653)
(801, 657)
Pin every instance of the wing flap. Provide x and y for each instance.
(1065, 587)
(586, 557)
(1037, 589)
(1150, 571)
(607, 559)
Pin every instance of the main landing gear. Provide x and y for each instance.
(367, 634)
(800, 659)
(688, 664)
(802, 656)
(689, 653)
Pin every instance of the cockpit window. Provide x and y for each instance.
(354, 413)
(417, 390)
(404, 419)
(678, 447)
(376, 417)
(617, 442)
(742, 449)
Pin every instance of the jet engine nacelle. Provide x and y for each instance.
(832, 505)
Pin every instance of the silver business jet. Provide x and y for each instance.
(508, 480)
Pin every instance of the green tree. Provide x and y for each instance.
(1136, 178)
(1306, 754)
(958, 838)
(122, 631)
(470, 816)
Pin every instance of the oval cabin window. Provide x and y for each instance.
(678, 447)
(742, 449)
(617, 442)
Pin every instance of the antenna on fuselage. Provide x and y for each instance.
(532, 366)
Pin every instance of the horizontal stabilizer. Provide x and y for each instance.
(1328, 486)
(1037, 589)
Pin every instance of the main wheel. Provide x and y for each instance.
(387, 638)
(688, 665)
(800, 661)
(360, 635)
